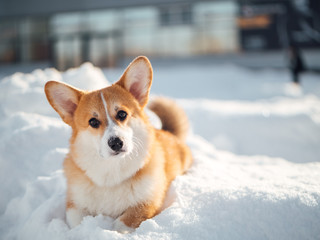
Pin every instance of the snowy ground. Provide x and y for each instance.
(255, 139)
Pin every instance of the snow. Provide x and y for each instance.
(255, 140)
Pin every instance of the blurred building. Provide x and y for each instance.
(275, 24)
(70, 32)
(67, 33)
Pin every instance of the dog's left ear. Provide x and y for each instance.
(137, 79)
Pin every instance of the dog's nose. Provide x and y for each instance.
(115, 144)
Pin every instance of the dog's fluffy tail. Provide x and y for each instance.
(173, 117)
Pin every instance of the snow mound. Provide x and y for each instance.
(19, 87)
(223, 196)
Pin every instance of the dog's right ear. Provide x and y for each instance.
(137, 79)
(63, 98)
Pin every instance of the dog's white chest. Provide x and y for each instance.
(110, 201)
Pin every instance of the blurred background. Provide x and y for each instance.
(64, 34)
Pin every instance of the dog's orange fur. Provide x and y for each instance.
(168, 155)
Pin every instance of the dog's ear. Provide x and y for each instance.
(137, 79)
(63, 98)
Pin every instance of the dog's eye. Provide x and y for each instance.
(93, 122)
(121, 115)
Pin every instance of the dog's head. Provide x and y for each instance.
(110, 130)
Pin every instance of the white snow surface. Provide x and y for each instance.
(255, 140)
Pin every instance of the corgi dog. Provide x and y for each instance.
(119, 165)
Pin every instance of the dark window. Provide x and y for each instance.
(176, 15)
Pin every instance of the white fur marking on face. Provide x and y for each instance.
(114, 130)
(105, 108)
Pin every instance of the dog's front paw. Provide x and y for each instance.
(74, 217)
(120, 227)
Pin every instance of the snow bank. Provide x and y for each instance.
(279, 127)
(223, 196)
(24, 92)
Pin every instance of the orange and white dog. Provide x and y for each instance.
(119, 165)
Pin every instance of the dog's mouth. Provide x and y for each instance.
(116, 153)
(111, 153)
